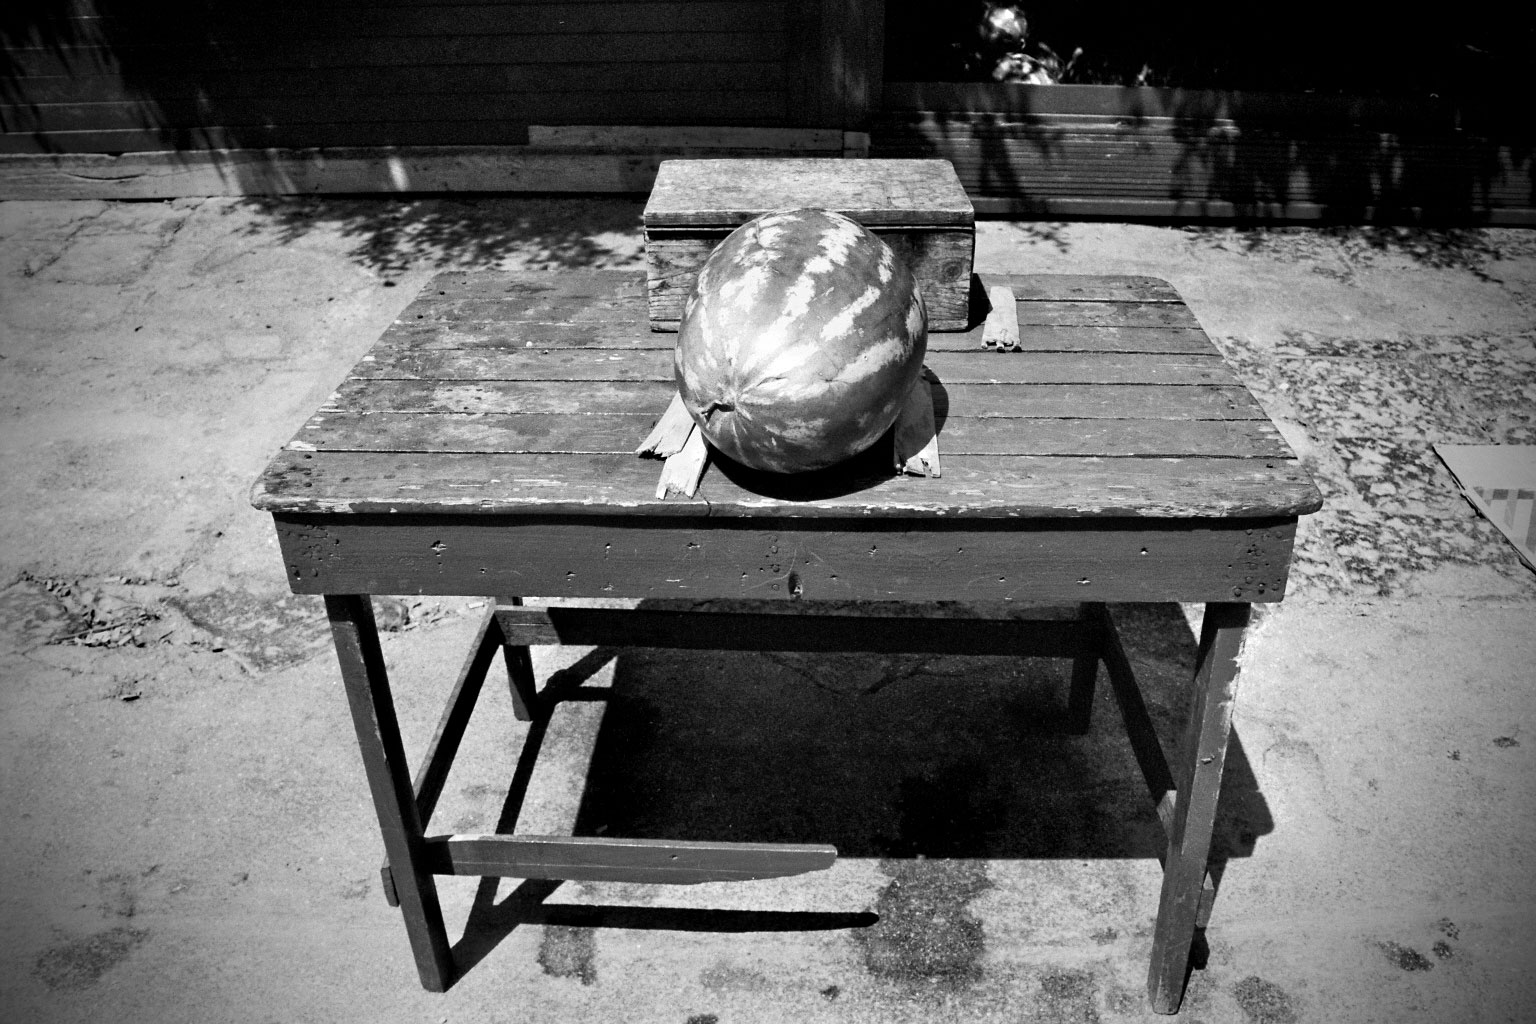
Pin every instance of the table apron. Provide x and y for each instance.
(603, 556)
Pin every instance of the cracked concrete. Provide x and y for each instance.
(190, 836)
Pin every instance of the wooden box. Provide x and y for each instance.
(917, 206)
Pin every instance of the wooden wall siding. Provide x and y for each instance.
(119, 76)
(1051, 155)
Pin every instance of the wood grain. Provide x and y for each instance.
(1006, 487)
(726, 193)
(652, 861)
(653, 364)
(853, 558)
(697, 627)
(940, 261)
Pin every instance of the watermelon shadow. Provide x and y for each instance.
(870, 467)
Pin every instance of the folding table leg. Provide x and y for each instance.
(1198, 767)
(394, 797)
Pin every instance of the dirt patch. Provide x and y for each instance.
(567, 952)
(1264, 1002)
(80, 964)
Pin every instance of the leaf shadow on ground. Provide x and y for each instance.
(1466, 249)
(392, 235)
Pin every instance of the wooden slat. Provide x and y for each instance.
(656, 364)
(725, 193)
(1104, 314)
(397, 167)
(985, 486)
(1056, 401)
(286, 20)
(706, 100)
(433, 336)
(1041, 338)
(1037, 338)
(841, 558)
(325, 82)
(513, 309)
(566, 398)
(464, 284)
(764, 630)
(1087, 287)
(475, 432)
(618, 435)
(653, 861)
(360, 52)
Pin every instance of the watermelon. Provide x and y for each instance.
(800, 341)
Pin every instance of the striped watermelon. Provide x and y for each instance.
(800, 341)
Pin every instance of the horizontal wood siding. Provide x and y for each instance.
(288, 75)
(1104, 151)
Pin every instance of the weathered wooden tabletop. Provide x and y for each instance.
(497, 393)
(504, 396)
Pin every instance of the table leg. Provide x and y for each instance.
(525, 696)
(1085, 670)
(394, 797)
(1198, 767)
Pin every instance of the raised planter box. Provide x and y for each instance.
(1109, 151)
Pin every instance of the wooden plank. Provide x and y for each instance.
(345, 170)
(494, 396)
(1142, 733)
(110, 85)
(489, 337)
(1202, 759)
(1042, 338)
(651, 861)
(618, 434)
(1044, 313)
(492, 337)
(563, 283)
(717, 101)
(726, 193)
(287, 20)
(1055, 401)
(576, 364)
(378, 736)
(832, 559)
(1514, 214)
(695, 629)
(360, 52)
(526, 306)
(684, 137)
(1086, 287)
(982, 486)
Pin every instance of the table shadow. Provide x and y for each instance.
(899, 757)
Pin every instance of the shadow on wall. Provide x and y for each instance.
(1210, 112)
(390, 235)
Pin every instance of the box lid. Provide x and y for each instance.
(876, 193)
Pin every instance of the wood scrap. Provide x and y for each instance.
(1001, 329)
(670, 433)
(685, 467)
(917, 438)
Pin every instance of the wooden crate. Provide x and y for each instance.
(917, 206)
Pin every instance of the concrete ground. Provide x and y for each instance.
(188, 836)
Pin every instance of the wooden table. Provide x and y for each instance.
(484, 447)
